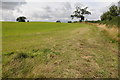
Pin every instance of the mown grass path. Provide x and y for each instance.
(58, 50)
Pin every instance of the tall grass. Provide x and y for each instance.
(110, 27)
(112, 32)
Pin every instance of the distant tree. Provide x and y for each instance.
(79, 13)
(28, 21)
(69, 21)
(21, 19)
(58, 21)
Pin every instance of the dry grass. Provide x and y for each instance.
(112, 31)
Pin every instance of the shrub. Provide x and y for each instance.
(75, 21)
(69, 21)
(58, 21)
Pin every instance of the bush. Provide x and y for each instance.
(75, 21)
(98, 21)
(69, 21)
(58, 21)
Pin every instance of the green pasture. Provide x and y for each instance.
(57, 50)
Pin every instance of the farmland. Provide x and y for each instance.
(57, 50)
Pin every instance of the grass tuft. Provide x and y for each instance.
(9, 53)
(21, 56)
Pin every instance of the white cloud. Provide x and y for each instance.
(12, 0)
(72, 0)
(52, 10)
(8, 7)
(47, 11)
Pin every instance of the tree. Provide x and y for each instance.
(28, 21)
(112, 12)
(106, 16)
(58, 21)
(21, 19)
(79, 13)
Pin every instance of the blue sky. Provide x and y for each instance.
(51, 10)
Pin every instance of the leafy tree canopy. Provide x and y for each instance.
(21, 19)
(112, 12)
(79, 13)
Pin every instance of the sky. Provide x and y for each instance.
(51, 10)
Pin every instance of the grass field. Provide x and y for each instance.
(57, 50)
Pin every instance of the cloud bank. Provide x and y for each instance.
(51, 10)
(8, 7)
